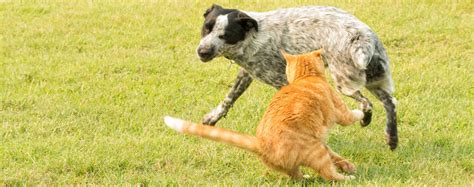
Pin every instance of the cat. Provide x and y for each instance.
(293, 130)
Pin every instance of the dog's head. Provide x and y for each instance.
(223, 30)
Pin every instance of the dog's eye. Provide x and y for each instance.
(209, 25)
(221, 36)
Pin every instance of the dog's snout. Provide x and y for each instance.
(205, 52)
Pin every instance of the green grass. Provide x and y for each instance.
(84, 86)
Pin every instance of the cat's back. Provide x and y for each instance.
(303, 91)
(304, 103)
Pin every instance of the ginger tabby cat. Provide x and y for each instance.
(293, 130)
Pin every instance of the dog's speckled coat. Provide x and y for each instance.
(354, 54)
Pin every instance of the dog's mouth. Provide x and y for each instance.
(205, 59)
(208, 57)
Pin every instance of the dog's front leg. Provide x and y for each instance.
(241, 84)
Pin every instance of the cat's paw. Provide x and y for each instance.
(349, 177)
(358, 114)
(347, 167)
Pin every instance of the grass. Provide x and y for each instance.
(84, 86)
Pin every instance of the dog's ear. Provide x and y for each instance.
(209, 10)
(246, 21)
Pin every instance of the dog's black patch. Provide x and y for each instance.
(374, 70)
(210, 16)
(238, 25)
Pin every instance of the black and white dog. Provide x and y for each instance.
(352, 52)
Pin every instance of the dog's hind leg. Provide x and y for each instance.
(366, 107)
(241, 84)
(389, 103)
(380, 84)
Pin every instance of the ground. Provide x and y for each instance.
(84, 86)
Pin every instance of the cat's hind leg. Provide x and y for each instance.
(340, 162)
(293, 171)
(320, 160)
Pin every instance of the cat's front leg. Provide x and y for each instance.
(344, 116)
(366, 107)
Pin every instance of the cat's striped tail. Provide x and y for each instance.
(214, 133)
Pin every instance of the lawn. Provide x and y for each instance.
(84, 86)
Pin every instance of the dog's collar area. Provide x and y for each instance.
(230, 62)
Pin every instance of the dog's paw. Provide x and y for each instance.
(209, 119)
(212, 117)
(392, 141)
(367, 118)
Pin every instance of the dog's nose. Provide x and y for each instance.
(205, 52)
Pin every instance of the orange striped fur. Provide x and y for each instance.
(293, 129)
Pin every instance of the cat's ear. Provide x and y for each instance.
(318, 60)
(317, 53)
(287, 56)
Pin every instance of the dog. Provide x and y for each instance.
(353, 53)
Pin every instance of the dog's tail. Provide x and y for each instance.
(214, 133)
(362, 50)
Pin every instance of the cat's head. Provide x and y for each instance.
(303, 64)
